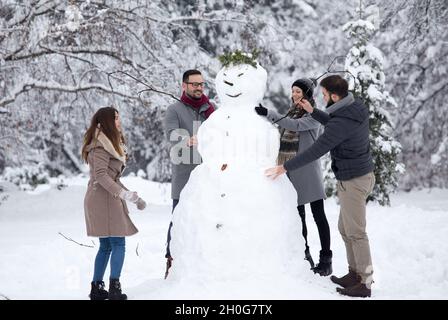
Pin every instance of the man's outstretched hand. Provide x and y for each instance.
(260, 110)
(274, 172)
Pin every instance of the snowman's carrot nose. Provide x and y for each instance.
(229, 83)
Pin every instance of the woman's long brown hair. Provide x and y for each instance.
(104, 120)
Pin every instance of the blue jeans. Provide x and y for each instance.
(113, 247)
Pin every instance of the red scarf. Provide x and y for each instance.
(197, 103)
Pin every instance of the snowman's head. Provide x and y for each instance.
(241, 85)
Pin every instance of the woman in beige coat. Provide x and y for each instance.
(106, 212)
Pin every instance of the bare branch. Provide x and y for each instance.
(423, 101)
(202, 19)
(5, 297)
(72, 56)
(112, 54)
(158, 91)
(34, 12)
(56, 87)
(7, 137)
(140, 41)
(150, 87)
(69, 239)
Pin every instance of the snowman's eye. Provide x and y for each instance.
(240, 74)
(225, 75)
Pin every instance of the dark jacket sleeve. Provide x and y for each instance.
(336, 131)
(320, 116)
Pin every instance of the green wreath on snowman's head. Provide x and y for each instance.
(238, 57)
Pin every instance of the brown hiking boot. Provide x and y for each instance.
(168, 265)
(358, 290)
(349, 280)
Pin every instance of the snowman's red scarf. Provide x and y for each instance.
(197, 103)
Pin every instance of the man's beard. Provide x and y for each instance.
(194, 97)
(329, 103)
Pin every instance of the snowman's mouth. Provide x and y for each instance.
(234, 96)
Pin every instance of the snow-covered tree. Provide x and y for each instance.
(414, 34)
(365, 62)
(62, 60)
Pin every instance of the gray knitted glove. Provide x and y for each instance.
(141, 204)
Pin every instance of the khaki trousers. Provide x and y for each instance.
(352, 223)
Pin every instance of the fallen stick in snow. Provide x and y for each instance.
(83, 245)
(5, 297)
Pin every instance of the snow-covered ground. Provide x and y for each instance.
(409, 243)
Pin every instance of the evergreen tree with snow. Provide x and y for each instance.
(365, 62)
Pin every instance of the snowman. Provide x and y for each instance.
(232, 222)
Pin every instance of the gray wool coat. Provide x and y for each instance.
(307, 180)
(180, 123)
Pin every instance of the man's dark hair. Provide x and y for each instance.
(189, 73)
(335, 84)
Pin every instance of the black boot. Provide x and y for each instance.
(115, 290)
(98, 292)
(358, 290)
(324, 267)
(349, 280)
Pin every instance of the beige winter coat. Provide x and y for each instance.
(106, 214)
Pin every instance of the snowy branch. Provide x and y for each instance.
(141, 42)
(150, 87)
(199, 18)
(221, 16)
(72, 157)
(83, 245)
(7, 137)
(112, 54)
(36, 9)
(25, 87)
(422, 101)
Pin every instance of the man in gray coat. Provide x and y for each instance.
(181, 123)
(346, 136)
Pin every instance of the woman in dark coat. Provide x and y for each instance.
(298, 132)
(106, 212)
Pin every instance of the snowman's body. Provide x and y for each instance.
(231, 220)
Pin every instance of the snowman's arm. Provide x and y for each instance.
(172, 128)
(297, 125)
